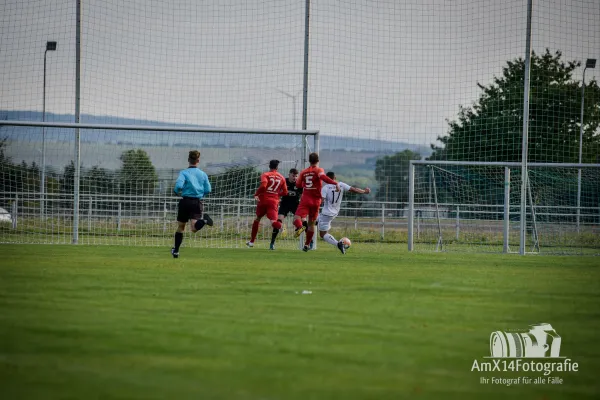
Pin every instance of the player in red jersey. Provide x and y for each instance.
(310, 180)
(272, 186)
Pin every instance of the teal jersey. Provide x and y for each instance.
(192, 182)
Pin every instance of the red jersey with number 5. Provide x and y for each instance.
(272, 186)
(311, 181)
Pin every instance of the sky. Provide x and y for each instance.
(392, 70)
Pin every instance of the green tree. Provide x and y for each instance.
(52, 179)
(137, 175)
(67, 185)
(391, 172)
(235, 182)
(98, 180)
(67, 182)
(21, 177)
(6, 168)
(491, 130)
(4, 159)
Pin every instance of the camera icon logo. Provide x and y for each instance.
(541, 341)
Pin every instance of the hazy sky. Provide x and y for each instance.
(393, 70)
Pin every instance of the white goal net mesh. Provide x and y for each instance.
(476, 208)
(126, 185)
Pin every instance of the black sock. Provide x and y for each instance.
(178, 240)
(199, 224)
(275, 233)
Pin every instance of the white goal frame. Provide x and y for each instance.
(162, 128)
(506, 218)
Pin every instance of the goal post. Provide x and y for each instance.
(127, 174)
(475, 206)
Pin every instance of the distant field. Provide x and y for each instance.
(379, 323)
(163, 157)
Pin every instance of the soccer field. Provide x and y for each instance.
(133, 323)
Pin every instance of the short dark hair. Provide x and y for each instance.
(193, 156)
(273, 164)
(313, 158)
(293, 171)
(331, 175)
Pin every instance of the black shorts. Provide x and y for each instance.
(285, 208)
(189, 208)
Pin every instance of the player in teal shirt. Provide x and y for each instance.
(192, 185)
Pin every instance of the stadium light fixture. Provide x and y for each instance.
(293, 97)
(589, 63)
(50, 46)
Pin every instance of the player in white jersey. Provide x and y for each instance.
(332, 199)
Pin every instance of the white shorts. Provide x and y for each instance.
(324, 222)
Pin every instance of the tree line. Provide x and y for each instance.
(491, 130)
(137, 176)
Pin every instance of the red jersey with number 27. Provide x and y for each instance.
(272, 186)
(311, 180)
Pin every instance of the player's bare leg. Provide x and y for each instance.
(255, 226)
(178, 239)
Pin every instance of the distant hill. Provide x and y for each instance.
(179, 139)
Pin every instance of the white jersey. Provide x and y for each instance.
(332, 199)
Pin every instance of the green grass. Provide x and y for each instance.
(133, 323)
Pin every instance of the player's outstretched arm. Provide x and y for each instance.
(360, 191)
(327, 179)
(261, 189)
(263, 186)
(284, 192)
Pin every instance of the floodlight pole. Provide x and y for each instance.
(525, 142)
(589, 63)
(77, 157)
(305, 81)
(293, 97)
(50, 46)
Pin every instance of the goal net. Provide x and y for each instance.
(476, 207)
(126, 185)
(384, 82)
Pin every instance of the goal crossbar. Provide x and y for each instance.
(504, 164)
(163, 128)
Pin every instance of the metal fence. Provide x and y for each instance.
(110, 218)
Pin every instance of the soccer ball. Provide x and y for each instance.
(346, 242)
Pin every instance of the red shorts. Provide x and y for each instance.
(268, 208)
(309, 208)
